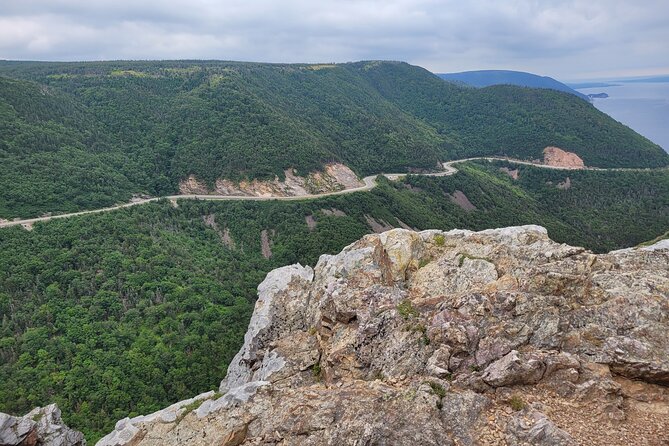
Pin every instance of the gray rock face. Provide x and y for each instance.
(436, 338)
(40, 426)
(277, 310)
(514, 369)
(533, 427)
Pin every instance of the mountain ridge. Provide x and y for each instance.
(142, 127)
(486, 78)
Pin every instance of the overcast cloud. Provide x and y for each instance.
(567, 39)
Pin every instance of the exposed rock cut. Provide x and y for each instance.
(443, 338)
(41, 426)
(554, 156)
(335, 177)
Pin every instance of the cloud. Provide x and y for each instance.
(564, 38)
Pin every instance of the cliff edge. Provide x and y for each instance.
(443, 338)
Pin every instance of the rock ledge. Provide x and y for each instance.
(441, 338)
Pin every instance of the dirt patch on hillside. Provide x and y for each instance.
(554, 156)
(377, 226)
(266, 243)
(227, 239)
(405, 226)
(311, 222)
(512, 173)
(210, 221)
(458, 197)
(335, 177)
(334, 212)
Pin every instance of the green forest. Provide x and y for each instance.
(86, 135)
(122, 313)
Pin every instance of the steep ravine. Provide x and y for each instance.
(443, 338)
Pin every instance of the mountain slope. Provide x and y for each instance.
(486, 78)
(143, 127)
(54, 155)
(513, 121)
(119, 314)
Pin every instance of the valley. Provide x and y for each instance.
(158, 196)
(122, 313)
(369, 183)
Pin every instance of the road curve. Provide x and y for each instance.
(369, 184)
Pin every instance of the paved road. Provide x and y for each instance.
(369, 184)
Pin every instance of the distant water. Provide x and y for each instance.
(643, 107)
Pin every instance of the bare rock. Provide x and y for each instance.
(514, 369)
(40, 426)
(554, 156)
(333, 177)
(532, 427)
(515, 174)
(278, 310)
(411, 338)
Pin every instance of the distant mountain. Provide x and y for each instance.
(651, 79)
(486, 78)
(615, 83)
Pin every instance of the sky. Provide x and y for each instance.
(566, 39)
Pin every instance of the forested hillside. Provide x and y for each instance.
(122, 313)
(85, 135)
(514, 121)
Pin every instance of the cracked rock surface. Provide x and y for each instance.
(41, 426)
(443, 338)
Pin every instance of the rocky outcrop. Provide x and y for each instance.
(334, 177)
(443, 338)
(41, 426)
(556, 157)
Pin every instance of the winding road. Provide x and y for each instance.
(369, 184)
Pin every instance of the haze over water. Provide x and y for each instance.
(643, 107)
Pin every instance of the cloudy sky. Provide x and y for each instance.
(567, 39)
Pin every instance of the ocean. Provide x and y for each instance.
(643, 107)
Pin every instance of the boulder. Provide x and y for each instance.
(41, 426)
